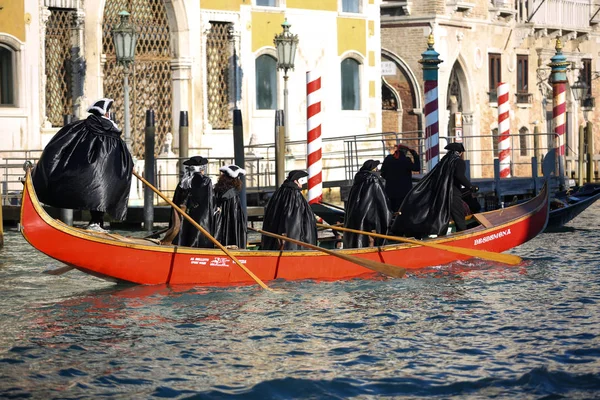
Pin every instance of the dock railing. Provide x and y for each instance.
(342, 158)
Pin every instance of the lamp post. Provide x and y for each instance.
(579, 90)
(125, 37)
(286, 44)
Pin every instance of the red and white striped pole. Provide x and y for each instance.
(559, 107)
(430, 63)
(503, 130)
(313, 126)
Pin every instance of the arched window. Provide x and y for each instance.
(266, 83)
(7, 76)
(523, 132)
(350, 84)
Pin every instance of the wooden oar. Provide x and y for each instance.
(386, 269)
(59, 271)
(204, 232)
(485, 255)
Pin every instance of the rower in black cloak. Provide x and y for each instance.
(367, 208)
(289, 213)
(195, 193)
(428, 207)
(230, 220)
(87, 166)
(397, 171)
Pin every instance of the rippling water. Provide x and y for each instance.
(466, 330)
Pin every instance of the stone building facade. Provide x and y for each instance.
(473, 39)
(202, 56)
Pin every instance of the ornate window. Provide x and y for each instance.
(350, 80)
(7, 76)
(59, 101)
(217, 77)
(266, 83)
(351, 6)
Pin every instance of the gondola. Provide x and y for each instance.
(566, 206)
(141, 261)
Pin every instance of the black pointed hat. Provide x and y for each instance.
(369, 165)
(196, 160)
(296, 174)
(458, 147)
(101, 107)
(233, 170)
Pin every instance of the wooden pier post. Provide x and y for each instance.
(590, 151)
(238, 153)
(150, 131)
(558, 78)
(534, 175)
(581, 151)
(183, 140)
(430, 62)
(497, 180)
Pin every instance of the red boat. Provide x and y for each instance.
(125, 259)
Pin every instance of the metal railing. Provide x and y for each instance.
(342, 158)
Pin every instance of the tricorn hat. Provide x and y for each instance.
(296, 174)
(458, 147)
(101, 107)
(196, 160)
(369, 165)
(233, 170)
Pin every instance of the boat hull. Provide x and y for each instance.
(561, 216)
(123, 259)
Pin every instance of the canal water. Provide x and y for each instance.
(468, 330)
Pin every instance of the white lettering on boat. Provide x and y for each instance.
(491, 237)
(198, 261)
(223, 262)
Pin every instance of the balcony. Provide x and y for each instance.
(524, 98)
(395, 8)
(460, 6)
(503, 9)
(561, 16)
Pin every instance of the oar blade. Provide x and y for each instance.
(58, 271)
(385, 269)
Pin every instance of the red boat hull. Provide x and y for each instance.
(118, 258)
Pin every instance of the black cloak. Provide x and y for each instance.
(199, 204)
(367, 209)
(230, 221)
(397, 171)
(288, 212)
(86, 166)
(426, 208)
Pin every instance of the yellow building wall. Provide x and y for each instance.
(352, 35)
(12, 18)
(322, 5)
(265, 25)
(225, 5)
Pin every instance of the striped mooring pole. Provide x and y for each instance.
(313, 139)
(503, 130)
(430, 63)
(558, 78)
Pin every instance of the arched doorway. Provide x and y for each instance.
(150, 81)
(401, 104)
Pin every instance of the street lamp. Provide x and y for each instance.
(125, 37)
(286, 44)
(580, 89)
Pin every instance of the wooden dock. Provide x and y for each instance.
(508, 189)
